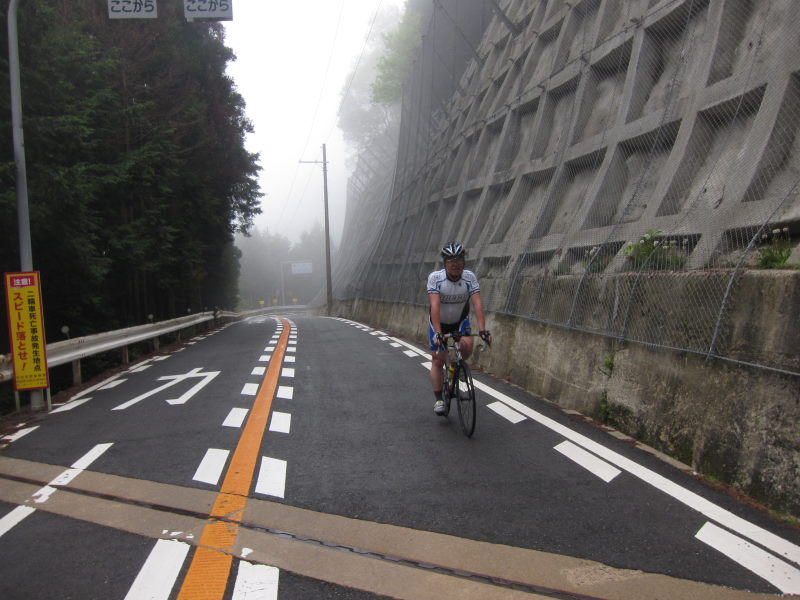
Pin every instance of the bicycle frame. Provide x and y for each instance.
(457, 382)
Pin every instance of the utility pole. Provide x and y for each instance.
(328, 285)
(23, 214)
(23, 218)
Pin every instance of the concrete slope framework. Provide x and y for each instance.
(604, 161)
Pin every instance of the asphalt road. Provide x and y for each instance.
(299, 457)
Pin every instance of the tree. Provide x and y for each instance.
(137, 171)
(395, 64)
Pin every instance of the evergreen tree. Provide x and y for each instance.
(138, 175)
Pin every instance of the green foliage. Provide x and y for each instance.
(777, 250)
(395, 64)
(138, 175)
(653, 253)
(361, 120)
(609, 413)
(608, 365)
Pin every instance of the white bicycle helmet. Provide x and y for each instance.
(453, 250)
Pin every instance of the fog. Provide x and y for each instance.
(293, 60)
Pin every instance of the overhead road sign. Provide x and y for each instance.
(216, 10)
(301, 268)
(132, 9)
(26, 330)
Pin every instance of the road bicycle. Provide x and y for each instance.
(458, 382)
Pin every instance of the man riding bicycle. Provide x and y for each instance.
(451, 290)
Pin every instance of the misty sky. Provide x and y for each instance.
(293, 59)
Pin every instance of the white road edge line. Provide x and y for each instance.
(506, 412)
(20, 512)
(21, 433)
(782, 547)
(410, 347)
(255, 582)
(779, 573)
(70, 405)
(96, 386)
(588, 461)
(14, 517)
(157, 576)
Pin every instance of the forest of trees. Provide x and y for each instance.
(138, 175)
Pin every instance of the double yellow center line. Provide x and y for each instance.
(208, 573)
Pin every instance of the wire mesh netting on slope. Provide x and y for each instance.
(613, 167)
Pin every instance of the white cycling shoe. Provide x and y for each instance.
(439, 407)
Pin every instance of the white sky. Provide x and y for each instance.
(292, 63)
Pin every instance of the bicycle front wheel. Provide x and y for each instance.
(465, 399)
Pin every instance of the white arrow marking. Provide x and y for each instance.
(207, 377)
(172, 380)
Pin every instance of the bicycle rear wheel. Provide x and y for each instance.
(465, 398)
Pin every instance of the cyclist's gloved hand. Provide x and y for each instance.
(486, 336)
(438, 340)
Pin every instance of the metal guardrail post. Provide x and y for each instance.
(76, 372)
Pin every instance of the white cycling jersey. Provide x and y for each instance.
(453, 295)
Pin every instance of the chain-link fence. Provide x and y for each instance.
(611, 166)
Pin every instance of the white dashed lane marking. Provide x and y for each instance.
(157, 576)
(210, 468)
(250, 389)
(281, 422)
(256, 582)
(235, 418)
(271, 477)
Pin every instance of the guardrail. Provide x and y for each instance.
(72, 351)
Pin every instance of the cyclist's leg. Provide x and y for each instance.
(437, 379)
(437, 361)
(466, 344)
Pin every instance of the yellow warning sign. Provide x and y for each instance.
(26, 330)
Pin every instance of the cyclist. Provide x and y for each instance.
(451, 290)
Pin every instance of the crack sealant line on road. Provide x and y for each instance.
(333, 548)
(207, 577)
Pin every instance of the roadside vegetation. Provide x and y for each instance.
(138, 177)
